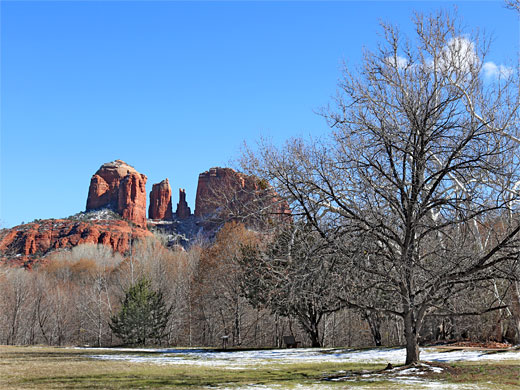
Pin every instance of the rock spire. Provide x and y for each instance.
(183, 211)
(161, 201)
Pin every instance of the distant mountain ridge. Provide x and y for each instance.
(115, 213)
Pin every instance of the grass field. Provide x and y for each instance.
(61, 368)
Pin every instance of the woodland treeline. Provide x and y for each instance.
(71, 299)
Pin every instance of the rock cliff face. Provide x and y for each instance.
(231, 195)
(25, 244)
(212, 188)
(161, 201)
(118, 186)
(183, 211)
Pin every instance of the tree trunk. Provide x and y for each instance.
(410, 333)
(236, 334)
(314, 333)
(515, 299)
(315, 339)
(310, 324)
(374, 322)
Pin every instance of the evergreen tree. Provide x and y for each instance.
(143, 315)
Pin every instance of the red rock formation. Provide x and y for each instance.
(161, 201)
(183, 211)
(212, 187)
(132, 198)
(26, 244)
(232, 194)
(119, 186)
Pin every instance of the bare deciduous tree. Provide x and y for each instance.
(298, 275)
(218, 295)
(421, 167)
(15, 299)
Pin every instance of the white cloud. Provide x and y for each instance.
(459, 54)
(492, 70)
(400, 62)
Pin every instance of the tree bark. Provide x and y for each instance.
(410, 332)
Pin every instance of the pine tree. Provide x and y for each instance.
(143, 315)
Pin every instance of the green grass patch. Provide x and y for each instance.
(489, 375)
(57, 368)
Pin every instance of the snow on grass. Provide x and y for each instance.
(242, 359)
(402, 377)
(399, 377)
(406, 378)
(321, 386)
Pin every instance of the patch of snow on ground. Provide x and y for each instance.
(436, 370)
(300, 355)
(409, 377)
(321, 386)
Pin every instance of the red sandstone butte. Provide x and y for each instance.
(118, 186)
(183, 211)
(161, 201)
(212, 187)
(224, 190)
(26, 244)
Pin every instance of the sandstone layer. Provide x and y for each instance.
(25, 244)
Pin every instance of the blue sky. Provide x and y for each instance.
(174, 88)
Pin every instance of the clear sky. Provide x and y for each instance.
(174, 88)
